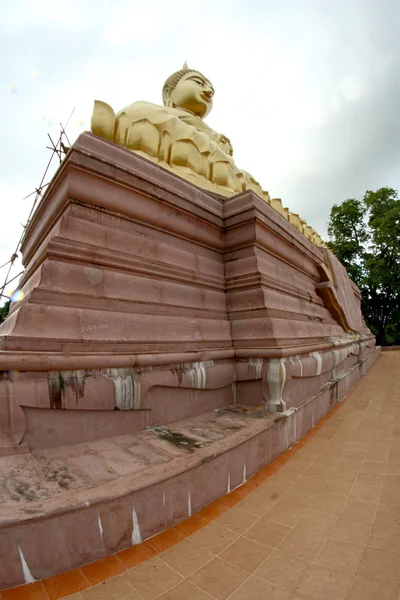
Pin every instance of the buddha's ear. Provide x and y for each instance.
(169, 103)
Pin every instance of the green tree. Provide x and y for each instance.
(4, 311)
(365, 236)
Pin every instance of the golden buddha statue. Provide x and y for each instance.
(176, 137)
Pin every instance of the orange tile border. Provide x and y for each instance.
(115, 564)
(232, 499)
(193, 524)
(166, 539)
(103, 569)
(135, 555)
(29, 591)
(213, 510)
(65, 584)
(247, 488)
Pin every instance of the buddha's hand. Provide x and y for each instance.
(225, 145)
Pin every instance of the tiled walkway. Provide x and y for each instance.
(322, 522)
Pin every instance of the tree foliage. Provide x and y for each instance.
(4, 311)
(365, 236)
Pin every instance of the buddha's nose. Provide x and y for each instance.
(208, 93)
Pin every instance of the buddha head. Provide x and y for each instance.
(189, 90)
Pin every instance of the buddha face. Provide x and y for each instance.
(193, 93)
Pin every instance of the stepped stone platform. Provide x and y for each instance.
(170, 343)
(321, 519)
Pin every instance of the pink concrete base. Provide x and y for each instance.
(147, 302)
(83, 526)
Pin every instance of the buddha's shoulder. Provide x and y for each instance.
(154, 112)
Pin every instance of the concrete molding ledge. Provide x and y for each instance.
(93, 523)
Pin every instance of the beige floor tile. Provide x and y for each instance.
(268, 532)
(327, 459)
(340, 556)
(337, 487)
(317, 445)
(355, 454)
(293, 467)
(285, 513)
(303, 458)
(271, 491)
(309, 482)
(152, 578)
(219, 578)
(316, 522)
(349, 530)
(117, 588)
(185, 591)
(386, 537)
(377, 456)
(255, 588)
(324, 584)
(246, 553)
(369, 466)
(373, 589)
(303, 544)
(357, 447)
(388, 514)
(349, 464)
(343, 475)
(374, 480)
(283, 570)
(214, 538)
(256, 503)
(321, 471)
(390, 490)
(360, 511)
(286, 478)
(236, 519)
(75, 597)
(186, 557)
(300, 497)
(329, 503)
(380, 564)
(365, 493)
(393, 467)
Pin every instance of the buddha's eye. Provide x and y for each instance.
(199, 81)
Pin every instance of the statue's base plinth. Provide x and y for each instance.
(149, 302)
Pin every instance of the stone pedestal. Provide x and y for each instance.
(148, 302)
(147, 295)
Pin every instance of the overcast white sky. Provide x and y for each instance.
(307, 90)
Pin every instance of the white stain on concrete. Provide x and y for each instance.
(163, 499)
(189, 504)
(198, 375)
(318, 358)
(276, 377)
(229, 483)
(234, 392)
(136, 537)
(100, 524)
(339, 355)
(301, 365)
(289, 421)
(256, 364)
(127, 388)
(28, 577)
(244, 473)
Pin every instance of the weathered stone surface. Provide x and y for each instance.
(149, 302)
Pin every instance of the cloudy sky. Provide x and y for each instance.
(307, 90)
